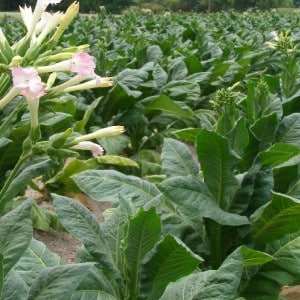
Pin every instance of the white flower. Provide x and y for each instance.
(96, 149)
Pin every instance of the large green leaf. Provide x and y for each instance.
(165, 103)
(170, 261)
(114, 228)
(15, 234)
(221, 284)
(264, 130)
(279, 218)
(15, 287)
(33, 169)
(193, 200)
(143, 232)
(177, 159)
(217, 163)
(91, 295)
(99, 184)
(289, 130)
(281, 155)
(84, 227)
(253, 257)
(36, 258)
(266, 282)
(160, 76)
(1, 274)
(58, 282)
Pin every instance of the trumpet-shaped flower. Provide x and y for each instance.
(81, 63)
(28, 81)
(96, 149)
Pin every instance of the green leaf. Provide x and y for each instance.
(92, 295)
(177, 159)
(116, 161)
(154, 53)
(4, 141)
(266, 282)
(55, 122)
(221, 284)
(1, 274)
(253, 257)
(15, 234)
(160, 76)
(58, 283)
(83, 226)
(170, 261)
(99, 184)
(166, 104)
(36, 258)
(189, 135)
(33, 169)
(114, 228)
(114, 145)
(40, 219)
(277, 219)
(15, 287)
(264, 130)
(217, 163)
(193, 200)
(143, 232)
(289, 130)
(281, 155)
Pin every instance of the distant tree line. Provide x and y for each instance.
(116, 6)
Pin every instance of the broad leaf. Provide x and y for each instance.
(217, 163)
(143, 232)
(281, 155)
(160, 76)
(193, 200)
(253, 257)
(15, 287)
(84, 227)
(171, 260)
(99, 184)
(35, 168)
(116, 161)
(15, 234)
(36, 258)
(58, 283)
(289, 130)
(91, 295)
(165, 103)
(177, 159)
(279, 218)
(221, 284)
(266, 282)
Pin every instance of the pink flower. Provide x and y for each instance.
(29, 82)
(83, 64)
(96, 149)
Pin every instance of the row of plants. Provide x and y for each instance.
(204, 181)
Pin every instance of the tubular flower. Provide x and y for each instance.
(28, 81)
(81, 63)
(96, 149)
(103, 132)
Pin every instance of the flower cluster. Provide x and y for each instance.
(33, 75)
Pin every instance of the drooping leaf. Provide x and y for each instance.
(36, 258)
(84, 227)
(253, 257)
(171, 261)
(91, 295)
(15, 234)
(281, 155)
(221, 284)
(193, 200)
(35, 168)
(116, 161)
(99, 184)
(143, 232)
(58, 282)
(266, 281)
(166, 104)
(177, 159)
(14, 287)
(217, 163)
(289, 130)
(277, 219)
